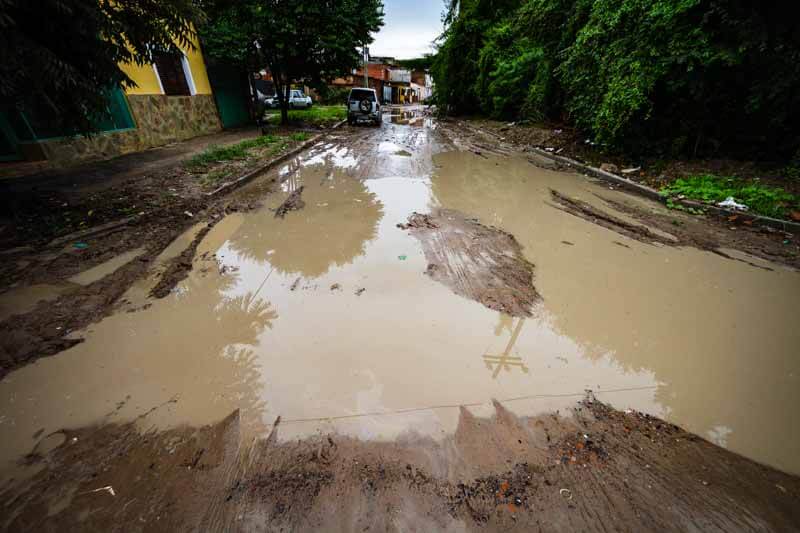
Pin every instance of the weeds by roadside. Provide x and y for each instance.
(316, 116)
(218, 163)
(759, 198)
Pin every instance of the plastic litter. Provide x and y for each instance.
(80, 245)
(108, 488)
(566, 493)
(730, 203)
(402, 257)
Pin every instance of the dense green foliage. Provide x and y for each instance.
(759, 198)
(417, 63)
(59, 57)
(700, 77)
(297, 41)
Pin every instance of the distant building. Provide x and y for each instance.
(422, 83)
(172, 101)
(394, 84)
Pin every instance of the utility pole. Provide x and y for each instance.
(366, 71)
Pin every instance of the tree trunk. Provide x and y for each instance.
(285, 104)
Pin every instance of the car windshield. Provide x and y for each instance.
(297, 94)
(362, 94)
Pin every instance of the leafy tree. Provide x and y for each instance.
(702, 77)
(418, 63)
(60, 57)
(297, 41)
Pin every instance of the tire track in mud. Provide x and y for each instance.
(479, 262)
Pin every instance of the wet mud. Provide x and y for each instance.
(292, 203)
(594, 469)
(475, 261)
(178, 268)
(362, 388)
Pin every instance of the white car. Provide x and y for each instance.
(363, 104)
(297, 100)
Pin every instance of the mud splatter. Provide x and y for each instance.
(478, 262)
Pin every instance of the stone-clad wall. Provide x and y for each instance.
(159, 120)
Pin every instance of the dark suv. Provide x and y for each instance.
(362, 104)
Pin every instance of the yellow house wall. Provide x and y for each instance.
(198, 67)
(147, 82)
(144, 76)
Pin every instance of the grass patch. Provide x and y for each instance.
(217, 154)
(761, 199)
(317, 115)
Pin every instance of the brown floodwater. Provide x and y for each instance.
(326, 318)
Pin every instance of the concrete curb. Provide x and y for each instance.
(241, 180)
(649, 192)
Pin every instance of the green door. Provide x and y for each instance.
(8, 141)
(231, 94)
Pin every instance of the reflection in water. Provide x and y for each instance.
(340, 217)
(717, 334)
(616, 320)
(192, 353)
(506, 360)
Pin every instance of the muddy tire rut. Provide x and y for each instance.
(479, 262)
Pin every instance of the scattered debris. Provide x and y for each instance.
(609, 167)
(360, 291)
(568, 243)
(630, 170)
(188, 214)
(295, 283)
(418, 220)
(108, 488)
(731, 203)
(80, 245)
(402, 257)
(336, 287)
(566, 493)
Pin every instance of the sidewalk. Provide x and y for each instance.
(99, 175)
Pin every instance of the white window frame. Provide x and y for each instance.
(187, 73)
(158, 79)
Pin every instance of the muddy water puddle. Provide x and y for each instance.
(327, 319)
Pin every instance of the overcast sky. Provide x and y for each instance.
(409, 27)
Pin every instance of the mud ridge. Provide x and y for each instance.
(478, 262)
(292, 203)
(179, 267)
(597, 469)
(588, 212)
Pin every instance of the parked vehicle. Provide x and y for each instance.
(297, 100)
(363, 104)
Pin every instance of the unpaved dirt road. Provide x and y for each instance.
(408, 345)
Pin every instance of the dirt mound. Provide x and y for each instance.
(478, 262)
(599, 469)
